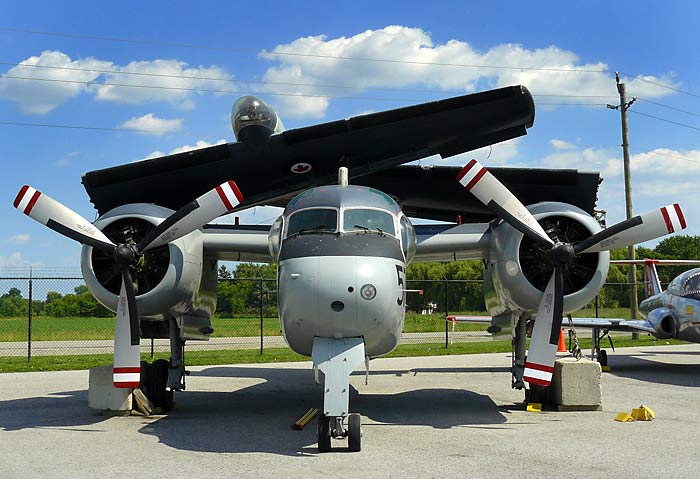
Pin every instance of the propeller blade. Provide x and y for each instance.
(127, 356)
(491, 192)
(545, 334)
(638, 229)
(60, 218)
(194, 215)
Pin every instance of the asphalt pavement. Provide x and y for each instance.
(442, 417)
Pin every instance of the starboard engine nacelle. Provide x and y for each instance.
(168, 278)
(518, 270)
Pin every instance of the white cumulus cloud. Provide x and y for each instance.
(152, 125)
(63, 79)
(417, 60)
(181, 149)
(22, 238)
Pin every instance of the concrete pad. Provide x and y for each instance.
(103, 396)
(446, 417)
(576, 384)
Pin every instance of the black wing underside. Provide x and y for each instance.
(365, 144)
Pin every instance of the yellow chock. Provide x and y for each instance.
(304, 420)
(643, 413)
(605, 369)
(624, 417)
(534, 407)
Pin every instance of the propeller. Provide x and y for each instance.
(126, 256)
(545, 334)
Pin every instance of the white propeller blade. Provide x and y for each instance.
(194, 215)
(58, 217)
(639, 229)
(127, 357)
(491, 192)
(541, 355)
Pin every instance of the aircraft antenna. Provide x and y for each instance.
(343, 176)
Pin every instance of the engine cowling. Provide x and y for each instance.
(665, 322)
(517, 271)
(167, 279)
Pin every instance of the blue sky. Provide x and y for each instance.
(657, 41)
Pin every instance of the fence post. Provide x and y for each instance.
(447, 313)
(29, 322)
(261, 315)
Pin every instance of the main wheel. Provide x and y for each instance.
(603, 357)
(354, 433)
(324, 433)
(158, 381)
(538, 394)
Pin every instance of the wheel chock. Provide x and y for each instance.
(534, 407)
(304, 420)
(624, 417)
(142, 403)
(643, 413)
(605, 369)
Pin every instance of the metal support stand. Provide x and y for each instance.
(176, 373)
(519, 328)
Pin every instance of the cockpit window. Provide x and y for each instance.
(368, 221)
(316, 220)
(691, 287)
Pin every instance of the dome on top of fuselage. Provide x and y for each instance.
(336, 196)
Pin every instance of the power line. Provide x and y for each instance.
(79, 127)
(213, 90)
(336, 57)
(664, 120)
(263, 82)
(293, 54)
(668, 106)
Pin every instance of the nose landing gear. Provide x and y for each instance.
(337, 358)
(333, 427)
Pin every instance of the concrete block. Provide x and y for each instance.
(103, 395)
(576, 385)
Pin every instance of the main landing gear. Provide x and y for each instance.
(601, 355)
(337, 358)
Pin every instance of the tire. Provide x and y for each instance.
(354, 433)
(603, 357)
(538, 394)
(145, 378)
(324, 433)
(158, 381)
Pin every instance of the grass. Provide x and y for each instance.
(275, 355)
(87, 328)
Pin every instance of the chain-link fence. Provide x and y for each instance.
(54, 313)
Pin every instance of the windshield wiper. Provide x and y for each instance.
(370, 230)
(320, 229)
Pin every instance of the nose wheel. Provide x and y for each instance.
(334, 427)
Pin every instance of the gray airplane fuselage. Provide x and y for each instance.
(342, 254)
(676, 310)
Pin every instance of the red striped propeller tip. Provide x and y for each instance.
(236, 190)
(26, 199)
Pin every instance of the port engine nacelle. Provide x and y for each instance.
(517, 271)
(168, 279)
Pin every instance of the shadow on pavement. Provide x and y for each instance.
(257, 418)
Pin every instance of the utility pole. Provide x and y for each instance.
(632, 270)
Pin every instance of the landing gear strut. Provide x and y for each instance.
(337, 358)
(601, 355)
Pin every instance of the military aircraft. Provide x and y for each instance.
(341, 249)
(673, 313)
